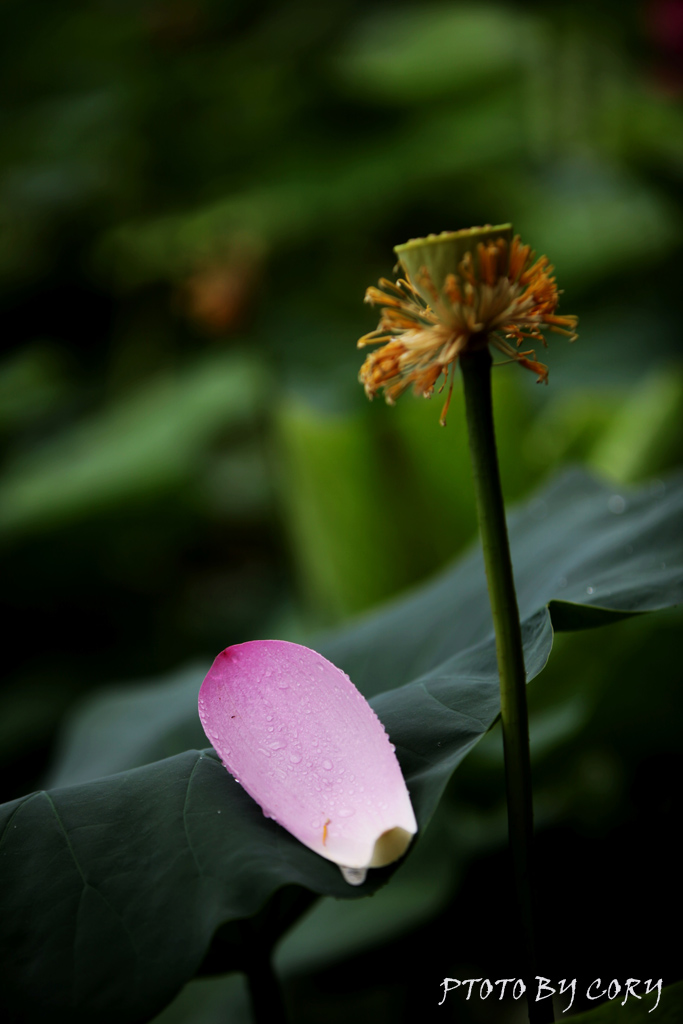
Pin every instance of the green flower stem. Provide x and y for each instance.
(267, 1005)
(476, 371)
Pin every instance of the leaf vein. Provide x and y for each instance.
(483, 725)
(190, 847)
(87, 884)
(14, 813)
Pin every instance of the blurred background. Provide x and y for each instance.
(194, 195)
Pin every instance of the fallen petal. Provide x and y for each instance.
(307, 746)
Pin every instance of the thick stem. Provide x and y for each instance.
(267, 1005)
(476, 371)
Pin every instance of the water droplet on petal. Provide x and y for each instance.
(354, 876)
(327, 765)
(345, 812)
(295, 758)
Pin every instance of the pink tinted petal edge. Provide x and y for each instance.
(305, 744)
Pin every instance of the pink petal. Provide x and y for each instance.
(306, 745)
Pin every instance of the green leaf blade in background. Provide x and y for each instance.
(149, 441)
(153, 860)
(127, 728)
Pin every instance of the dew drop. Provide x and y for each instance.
(277, 745)
(354, 876)
(616, 504)
(283, 684)
(269, 718)
(327, 765)
(345, 812)
(590, 590)
(295, 758)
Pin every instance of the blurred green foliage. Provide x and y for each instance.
(193, 198)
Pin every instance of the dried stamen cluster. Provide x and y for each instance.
(498, 296)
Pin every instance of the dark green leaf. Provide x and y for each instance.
(150, 862)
